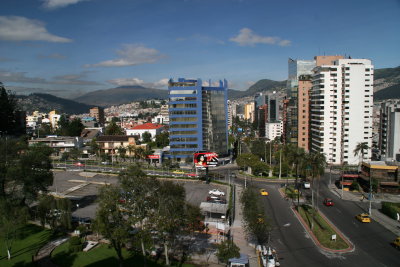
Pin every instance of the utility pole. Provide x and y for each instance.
(280, 163)
(370, 195)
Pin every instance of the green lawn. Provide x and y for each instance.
(100, 255)
(322, 231)
(29, 240)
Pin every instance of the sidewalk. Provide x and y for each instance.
(376, 215)
(237, 231)
(43, 255)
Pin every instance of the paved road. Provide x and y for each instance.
(372, 240)
(295, 248)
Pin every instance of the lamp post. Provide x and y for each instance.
(370, 195)
(280, 164)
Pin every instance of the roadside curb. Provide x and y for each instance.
(314, 238)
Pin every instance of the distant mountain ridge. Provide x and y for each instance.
(46, 103)
(386, 85)
(121, 95)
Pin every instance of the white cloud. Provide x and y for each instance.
(127, 82)
(161, 83)
(14, 28)
(54, 4)
(131, 55)
(247, 37)
(138, 82)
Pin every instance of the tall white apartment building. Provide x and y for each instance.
(341, 109)
(273, 130)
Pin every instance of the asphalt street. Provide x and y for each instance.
(295, 248)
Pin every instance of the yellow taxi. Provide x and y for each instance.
(363, 217)
(396, 242)
(178, 172)
(263, 192)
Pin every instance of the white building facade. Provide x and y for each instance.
(273, 130)
(341, 109)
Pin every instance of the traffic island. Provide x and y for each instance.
(324, 234)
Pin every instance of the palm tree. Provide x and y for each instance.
(131, 150)
(122, 152)
(361, 149)
(317, 162)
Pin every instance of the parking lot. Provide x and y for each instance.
(83, 187)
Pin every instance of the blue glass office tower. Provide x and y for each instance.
(198, 118)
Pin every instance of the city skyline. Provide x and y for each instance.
(70, 47)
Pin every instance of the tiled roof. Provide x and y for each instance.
(111, 138)
(147, 126)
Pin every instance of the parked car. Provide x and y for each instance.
(216, 192)
(263, 192)
(363, 217)
(79, 164)
(328, 202)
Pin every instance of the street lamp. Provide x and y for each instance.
(77, 207)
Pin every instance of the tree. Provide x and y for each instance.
(12, 218)
(146, 137)
(122, 152)
(110, 219)
(361, 149)
(169, 218)
(75, 127)
(139, 194)
(114, 129)
(317, 162)
(227, 250)
(94, 147)
(131, 149)
(54, 211)
(10, 115)
(22, 179)
(162, 139)
(246, 160)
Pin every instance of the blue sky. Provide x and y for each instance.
(69, 47)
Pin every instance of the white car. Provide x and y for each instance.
(307, 185)
(216, 192)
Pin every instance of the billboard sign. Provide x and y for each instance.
(205, 159)
(153, 156)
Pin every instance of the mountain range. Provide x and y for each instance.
(386, 85)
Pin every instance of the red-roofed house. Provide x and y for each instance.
(139, 130)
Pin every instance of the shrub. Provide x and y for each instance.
(75, 244)
(391, 209)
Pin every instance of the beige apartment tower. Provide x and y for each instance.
(98, 113)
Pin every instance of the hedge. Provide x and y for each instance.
(391, 209)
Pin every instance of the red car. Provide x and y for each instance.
(328, 202)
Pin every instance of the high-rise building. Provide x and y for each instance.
(198, 118)
(341, 109)
(98, 113)
(304, 87)
(299, 85)
(297, 68)
(389, 134)
(267, 110)
(249, 111)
